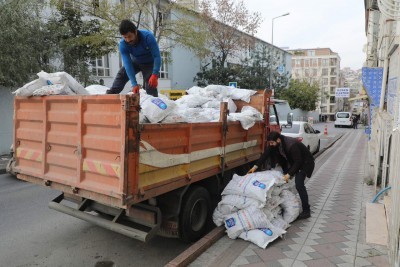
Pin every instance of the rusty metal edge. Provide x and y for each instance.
(195, 250)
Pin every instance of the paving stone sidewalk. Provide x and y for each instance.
(335, 233)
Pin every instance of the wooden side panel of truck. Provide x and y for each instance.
(93, 147)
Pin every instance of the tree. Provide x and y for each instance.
(171, 23)
(78, 40)
(251, 73)
(229, 25)
(217, 75)
(256, 72)
(301, 94)
(25, 49)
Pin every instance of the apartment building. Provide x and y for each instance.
(322, 66)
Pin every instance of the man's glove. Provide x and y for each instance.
(252, 169)
(153, 81)
(286, 177)
(135, 89)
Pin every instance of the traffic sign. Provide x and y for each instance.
(233, 84)
(342, 92)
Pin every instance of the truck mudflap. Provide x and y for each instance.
(118, 222)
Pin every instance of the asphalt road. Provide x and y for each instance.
(332, 132)
(31, 234)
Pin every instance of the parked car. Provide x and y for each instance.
(343, 119)
(305, 133)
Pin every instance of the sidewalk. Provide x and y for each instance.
(335, 233)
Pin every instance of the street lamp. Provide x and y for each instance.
(272, 42)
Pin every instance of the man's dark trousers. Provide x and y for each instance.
(122, 78)
(300, 178)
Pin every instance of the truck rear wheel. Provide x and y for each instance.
(195, 214)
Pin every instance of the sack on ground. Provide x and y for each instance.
(262, 237)
(273, 202)
(232, 203)
(218, 218)
(280, 223)
(254, 185)
(245, 220)
(291, 206)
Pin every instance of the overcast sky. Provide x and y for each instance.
(337, 24)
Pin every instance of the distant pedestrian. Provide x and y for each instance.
(295, 159)
(355, 121)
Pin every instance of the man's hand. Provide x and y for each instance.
(135, 89)
(153, 81)
(286, 177)
(252, 170)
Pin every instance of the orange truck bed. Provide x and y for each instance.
(93, 147)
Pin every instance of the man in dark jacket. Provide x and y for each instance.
(140, 53)
(295, 159)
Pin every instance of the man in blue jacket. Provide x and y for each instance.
(140, 53)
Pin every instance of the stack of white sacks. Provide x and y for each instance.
(257, 207)
(200, 105)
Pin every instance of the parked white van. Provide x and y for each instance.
(343, 119)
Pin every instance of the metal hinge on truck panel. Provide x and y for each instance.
(140, 222)
(224, 119)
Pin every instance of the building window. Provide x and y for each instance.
(164, 65)
(325, 62)
(101, 66)
(298, 64)
(311, 53)
(314, 72)
(306, 62)
(325, 81)
(315, 62)
(307, 72)
(324, 72)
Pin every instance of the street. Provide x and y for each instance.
(332, 132)
(49, 238)
(34, 235)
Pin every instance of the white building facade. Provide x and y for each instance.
(321, 66)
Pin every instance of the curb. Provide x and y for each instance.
(340, 135)
(195, 250)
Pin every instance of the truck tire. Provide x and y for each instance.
(195, 214)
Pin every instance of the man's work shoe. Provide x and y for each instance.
(304, 215)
